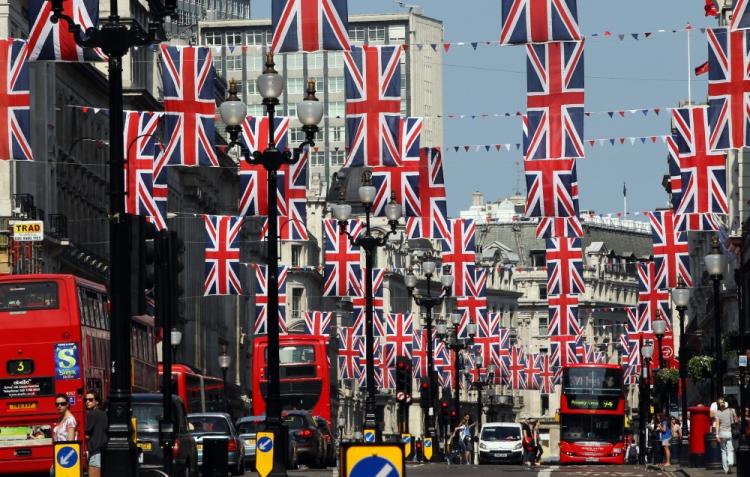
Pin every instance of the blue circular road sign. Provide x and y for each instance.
(265, 444)
(428, 443)
(369, 437)
(374, 466)
(67, 457)
(406, 439)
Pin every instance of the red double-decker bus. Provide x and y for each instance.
(592, 414)
(55, 339)
(305, 374)
(202, 393)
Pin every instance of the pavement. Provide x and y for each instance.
(678, 471)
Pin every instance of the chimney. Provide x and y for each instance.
(477, 199)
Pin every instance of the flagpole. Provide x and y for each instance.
(624, 201)
(689, 67)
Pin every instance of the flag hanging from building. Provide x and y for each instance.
(53, 41)
(551, 188)
(292, 181)
(15, 101)
(517, 368)
(350, 351)
(409, 139)
(341, 259)
(399, 332)
(459, 254)
(372, 80)
(547, 376)
(552, 227)
(532, 371)
(563, 328)
(564, 266)
(254, 177)
(728, 87)
(359, 303)
(309, 25)
(139, 142)
(554, 76)
(318, 323)
(261, 299)
(160, 189)
(740, 16)
(222, 255)
(397, 183)
(433, 208)
(703, 222)
(487, 339)
(653, 302)
(189, 105)
(670, 249)
(703, 172)
(675, 175)
(539, 21)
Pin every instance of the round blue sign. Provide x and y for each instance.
(406, 438)
(375, 465)
(67, 457)
(428, 443)
(369, 437)
(265, 444)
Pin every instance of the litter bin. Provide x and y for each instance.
(713, 452)
(215, 457)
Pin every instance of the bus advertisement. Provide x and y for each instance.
(592, 414)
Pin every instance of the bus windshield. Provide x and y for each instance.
(295, 354)
(28, 296)
(604, 381)
(595, 428)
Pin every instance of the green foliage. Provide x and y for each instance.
(700, 367)
(666, 379)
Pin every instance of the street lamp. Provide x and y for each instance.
(428, 301)
(479, 384)
(309, 112)
(647, 352)
(224, 362)
(715, 265)
(457, 345)
(681, 299)
(491, 404)
(369, 243)
(176, 339)
(660, 328)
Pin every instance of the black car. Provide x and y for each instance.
(147, 410)
(329, 440)
(311, 446)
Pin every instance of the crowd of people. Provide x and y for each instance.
(465, 434)
(66, 428)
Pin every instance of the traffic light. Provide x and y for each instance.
(424, 393)
(444, 407)
(176, 254)
(403, 374)
(142, 262)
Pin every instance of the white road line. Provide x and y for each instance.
(547, 472)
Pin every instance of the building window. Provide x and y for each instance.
(255, 62)
(336, 109)
(376, 34)
(296, 135)
(295, 85)
(337, 158)
(335, 60)
(234, 39)
(357, 34)
(256, 38)
(318, 159)
(542, 292)
(404, 109)
(538, 258)
(543, 324)
(234, 63)
(336, 133)
(545, 404)
(315, 61)
(213, 38)
(292, 110)
(256, 110)
(294, 61)
(396, 34)
(252, 87)
(297, 302)
(336, 84)
(296, 256)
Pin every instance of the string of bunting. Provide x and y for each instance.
(612, 141)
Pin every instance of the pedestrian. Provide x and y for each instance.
(631, 456)
(66, 426)
(96, 432)
(676, 429)
(725, 418)
(529, 450)
(538, 451)
(665, 427)
(462, 438)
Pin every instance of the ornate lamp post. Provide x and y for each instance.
(715, 265)
(479, 384)
(647, 352)
(428, 301)
(681, 299)
(224, 362)
(309, 112)
(176, 338)
(369, 243)
(456, 344)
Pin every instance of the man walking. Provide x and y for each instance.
(96, 432)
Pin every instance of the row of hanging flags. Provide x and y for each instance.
(380, 139)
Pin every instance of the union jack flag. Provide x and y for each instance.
(728, 87)
(254, 177)
(160, 189)
(359, 303)
(222, 255)
(419, 352)
(675, 175)
(342, 270)
(487, 340)
(555, 100)
(740, 16)
(539, 21)
(445, 362)
(292, 180)
(310, 25)
(189, 105)
(318, 323)
(459, 254)
(703, 172)
(377, 363)
(652, 301)
(552, 227)
(517, 368)
(547, 377)
(409, 138)
(563, 328)
(15, 101)
(433, 209)
(52, 41)
(552, 188)
(503, 353)
(400, 183)
(584, 351)
(473, 306)
(261, 299)
(670, 249)
(387, 366)
(532, 371)
(140, 148)
(373, 105)
(399, 332)
(565, 266)
(350, 351)
(702, 222)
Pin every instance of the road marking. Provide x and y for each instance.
(547, 472)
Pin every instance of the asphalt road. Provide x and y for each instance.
(443, 470)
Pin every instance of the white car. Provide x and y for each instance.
(501, 442)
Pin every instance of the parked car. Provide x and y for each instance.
(329, 440)
(501, 442)
(311, 446)
(247, 428)
(147, 410)
(218, 424)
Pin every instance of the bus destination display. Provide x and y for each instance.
(603, 403)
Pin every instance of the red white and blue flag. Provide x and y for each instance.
(318, 323)
(160, 190)
(373, 105)
(261, 299)
(459, 254)
(15, 101)
(341, 259)
(140, 148)
(189, 105)
(740, 15)
(487, 340)
(670, 249)
(359, 303)
(532, 371)
(547, 377)
(517, 368)
(552, 188)
(399, 332)
(433, 207)
(539, 21)
(703, 171)
(675, 175)
(409, 139)
(563, 328)
(53, 41)
(703, 222)
(728, 88)
(552, 227)
(564, 266)
(653, 302)
(292, 180)
(309, 25)
(222, 255)
(554, 76)
(398, 183)
(350, 351)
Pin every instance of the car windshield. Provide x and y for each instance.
(209, 424)
(587, 427)
(147, 414)
(501, 434)
(250, 427)
(294, 421)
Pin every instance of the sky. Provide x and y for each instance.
(620, 75)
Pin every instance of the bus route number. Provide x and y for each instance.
(19, 367)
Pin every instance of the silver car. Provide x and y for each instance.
(209, 425)
(247, 428)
